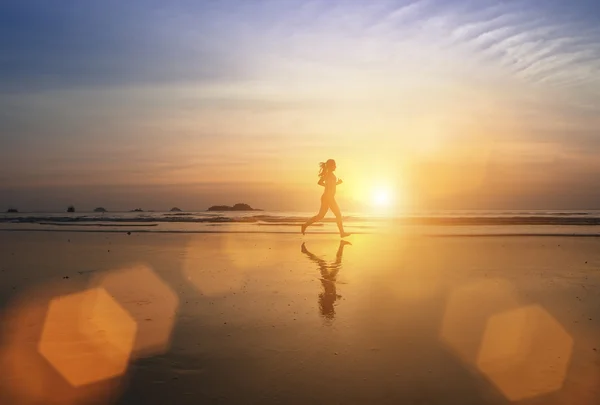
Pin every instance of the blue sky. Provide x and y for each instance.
(247, 94)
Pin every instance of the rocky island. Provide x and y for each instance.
(236, 207)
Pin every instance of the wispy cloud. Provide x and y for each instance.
(528, 40)
(68, 44)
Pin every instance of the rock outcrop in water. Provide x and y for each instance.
(175, 209)
(12, 210)
(71, 208)
(137, 210)
(236, 207)
(100, 209)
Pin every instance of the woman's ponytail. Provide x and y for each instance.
(323, 169)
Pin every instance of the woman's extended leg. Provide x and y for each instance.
(338, 217)
(318, 217)
(322, 263)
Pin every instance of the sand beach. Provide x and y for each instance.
(150, 318)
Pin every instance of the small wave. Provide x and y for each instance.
(515, 220)
(80, 224)
(286, 232)
(285, 224)
(571, 213)
(559, 219)
(180, 214)
(170, 231)
(136, 219)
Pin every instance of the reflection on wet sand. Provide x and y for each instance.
(329, 273)
(170, 318)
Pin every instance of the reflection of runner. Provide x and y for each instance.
(329, 273)
(328, 180)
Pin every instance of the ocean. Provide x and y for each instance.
(460, 223)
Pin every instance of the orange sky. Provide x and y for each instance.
(424, 103)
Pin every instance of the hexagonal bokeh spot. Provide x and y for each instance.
(24, 376)
(525, 352)
(149, 301)
(467, 311)
(27, 377)
(87, 337)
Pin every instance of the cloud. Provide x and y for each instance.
(532, 42)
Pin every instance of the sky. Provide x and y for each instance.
(445, 104)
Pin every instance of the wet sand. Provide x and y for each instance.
(257, 318)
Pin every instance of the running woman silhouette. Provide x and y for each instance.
(328, 180)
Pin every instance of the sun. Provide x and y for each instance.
(382, 198)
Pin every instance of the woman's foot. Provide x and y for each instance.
(303, 228)
(344, 234)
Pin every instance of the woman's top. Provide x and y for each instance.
(330, 184)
